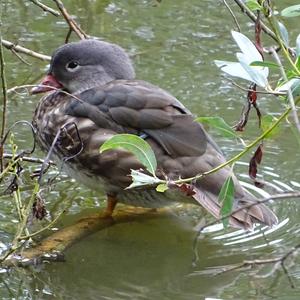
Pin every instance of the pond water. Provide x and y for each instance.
(173, 45)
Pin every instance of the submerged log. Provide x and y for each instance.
(52, 247)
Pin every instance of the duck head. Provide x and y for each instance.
(78, 66)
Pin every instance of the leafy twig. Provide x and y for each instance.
(48, 226)
(289, 92)
(242, 153)
(274, 23)
(253, 17)
(275, 93)
(25, 215)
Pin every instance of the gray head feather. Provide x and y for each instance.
(96, 62)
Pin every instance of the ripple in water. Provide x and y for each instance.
(260, 233)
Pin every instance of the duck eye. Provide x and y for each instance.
(71, 66)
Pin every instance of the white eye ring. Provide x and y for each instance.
(72, 66)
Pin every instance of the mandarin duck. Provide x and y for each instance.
(92, 95)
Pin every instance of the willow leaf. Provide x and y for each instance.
(136, 145)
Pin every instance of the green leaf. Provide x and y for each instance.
(295, 88)
(284, 34)
(162, 187)
(142, 179)
(266, 122)
(268, 64)
(293, 84)
(253, 5)
(233, 69)
(226, 198)
(258, 75)
(136, 145)
(298, 45)
(297, 63)
(219, 124)
(291, 11)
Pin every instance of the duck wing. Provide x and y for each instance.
(141, 108)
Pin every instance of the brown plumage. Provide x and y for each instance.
(106, 100)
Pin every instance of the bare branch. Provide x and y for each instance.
(51, 247)
(233, 16)
(20, 49)
(46, 8)
(73, 25)
(4, 105)
(29, 159)
(277, 261)
(20, 57)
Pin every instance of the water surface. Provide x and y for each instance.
(173, 45)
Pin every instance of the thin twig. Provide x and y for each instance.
(289, 52)
(233, 16)
(11, 46)
(20, 57)
(253, 17)
(10, 251)
(27, 86)
(72, 24)
(7, 168)
(54, 144)
(277, 261)
(289, 92)
(249, 205)
(4, 105)
(244, 207)
(258, 92)
(249, 263)
(46, 8)
(29, 159)
(242, 153)
(25, 215)
(48, 226)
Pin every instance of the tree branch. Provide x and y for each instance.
(46, 8)
(242, 153)
(253, 17)
(277, 261)
(51, 248)
(233, 15)
(28, 159)
(4, 105)
(11, 46)
(70, 21)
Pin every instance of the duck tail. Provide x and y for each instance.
(254, 211)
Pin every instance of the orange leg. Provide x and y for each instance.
(111, 204)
